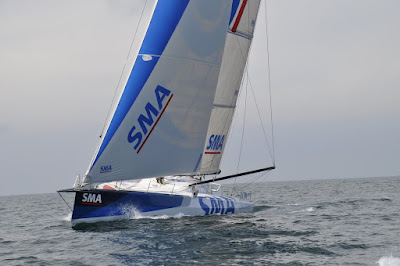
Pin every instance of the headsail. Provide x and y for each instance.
(161, 120)
(237, 46)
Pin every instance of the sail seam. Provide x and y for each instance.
(241, 34)
(224, 106)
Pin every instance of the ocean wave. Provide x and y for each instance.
(290, 208)
(261, 208)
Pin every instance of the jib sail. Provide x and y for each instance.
(237, 46)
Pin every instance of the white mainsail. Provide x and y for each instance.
(160, 123)
(237, 46)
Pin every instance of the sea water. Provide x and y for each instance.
(326, 222)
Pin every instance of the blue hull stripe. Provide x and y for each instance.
(165, 19)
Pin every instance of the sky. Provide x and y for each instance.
(335, 88)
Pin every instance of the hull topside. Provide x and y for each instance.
(105, 205)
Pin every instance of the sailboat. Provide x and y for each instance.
(161, 149)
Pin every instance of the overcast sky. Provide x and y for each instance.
(335, 79)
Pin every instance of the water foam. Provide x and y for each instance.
(133, 214)
(310, 209)
(137, 215)
(389, 261)
(67, 218)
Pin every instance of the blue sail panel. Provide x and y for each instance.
(163, 23)
(160, 124)
(235, 5)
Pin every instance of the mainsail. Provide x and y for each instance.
(240, 34)
(160, 123)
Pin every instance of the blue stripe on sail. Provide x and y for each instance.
(162, 25)
(235, 5)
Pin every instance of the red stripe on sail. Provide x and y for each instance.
(165, 107)
(91, 203)
(239, 16)
(212, 152)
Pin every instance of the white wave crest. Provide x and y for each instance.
(389, 261)
(310, 209)
(307, 209)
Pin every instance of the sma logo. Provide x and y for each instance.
(146, 121)
(91, 199)
(215, 144)
(105, 169)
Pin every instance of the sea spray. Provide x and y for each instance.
(389, 261)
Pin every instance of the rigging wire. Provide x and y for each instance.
(108, 118)
(268, 66)
(272, 153)
(123, 69)
(244, 123)
(244, 186)
(243, 129)
(65, 201)
(234, 99)
(262, 124)
(244, 57)
(269, 82)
